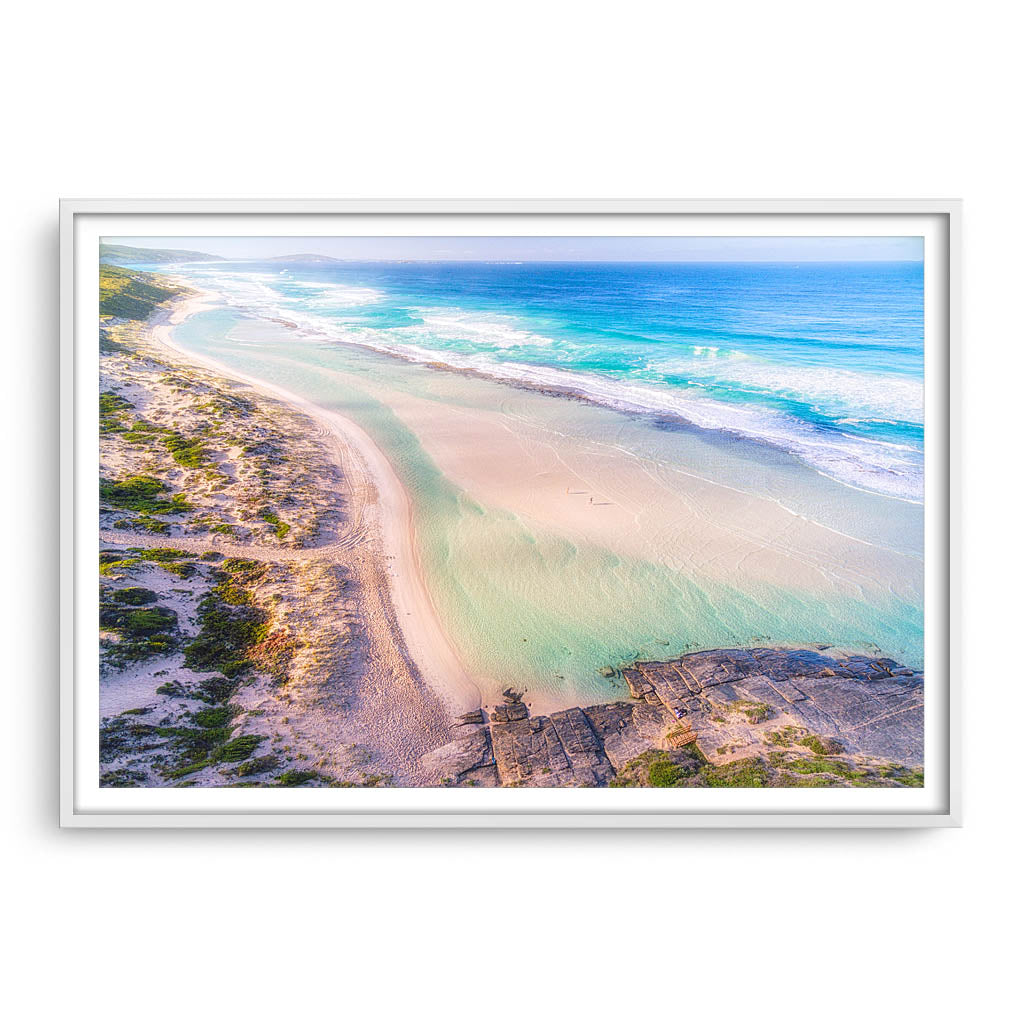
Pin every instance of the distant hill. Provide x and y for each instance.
(303, 257)
(120, 254)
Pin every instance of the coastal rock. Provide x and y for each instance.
(872, 706)
(626, 730)
(757, 713)
(557, 750)
(514, 711)
(467, 761)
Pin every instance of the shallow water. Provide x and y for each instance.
(531, 605)
(822, 360)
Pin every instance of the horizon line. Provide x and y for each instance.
(506, 249)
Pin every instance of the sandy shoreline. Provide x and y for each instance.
(429, 648)
(599, 492)
(578, 474)
(411, 543)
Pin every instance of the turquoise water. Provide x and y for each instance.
(822, 360)
(569, 608)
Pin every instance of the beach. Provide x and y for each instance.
(434, 556)
(376, 495)
(632, 537)
(345, 693)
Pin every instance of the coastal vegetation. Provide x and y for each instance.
(131, 294)
(688, 768)
(237, 478)
(202, 747)
(136, 627)
(171, 560)
(142, 493)
(821, 744)
(183, 454)
(112, 412)
(130, 254)
(794, 735)
(231, 622)
(281, 528)
(754, 711)
(186, 451)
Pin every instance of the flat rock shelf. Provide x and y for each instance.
(743, 718)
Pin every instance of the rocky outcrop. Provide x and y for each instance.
(787, 712)
(871, 705)
(466, 761)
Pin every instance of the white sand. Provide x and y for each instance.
(599, 492)
(387, 504)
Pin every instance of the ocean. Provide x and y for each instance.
(800, 382)
(823, 360)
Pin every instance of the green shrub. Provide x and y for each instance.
(297, 777)
(821, 744)
(239, 748)
(746, 773)
(149, 621)
(214, 718)
(188, 452)
(172, 560)
(244, 565)
(134, 596)
(230, 624)
(823, 765)
(123, 777)
(112, 412)
(281, 527)
(141, 493)
(145, 522)
(143, 632)
(664, 773)
(660, 769)
(131, 294)
(214, 690)
(257, 766)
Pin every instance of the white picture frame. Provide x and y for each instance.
(938, 804)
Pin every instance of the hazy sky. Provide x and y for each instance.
(494, 247)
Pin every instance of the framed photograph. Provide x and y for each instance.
(509, 514)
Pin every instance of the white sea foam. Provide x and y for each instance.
(892, 469)
(336, 296)
(248, 294)
(875, 396)
(494, 330)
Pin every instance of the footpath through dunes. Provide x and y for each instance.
(336, 550)
(744, 718)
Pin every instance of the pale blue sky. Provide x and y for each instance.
(602, 248)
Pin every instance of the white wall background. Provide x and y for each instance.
(528, 99)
